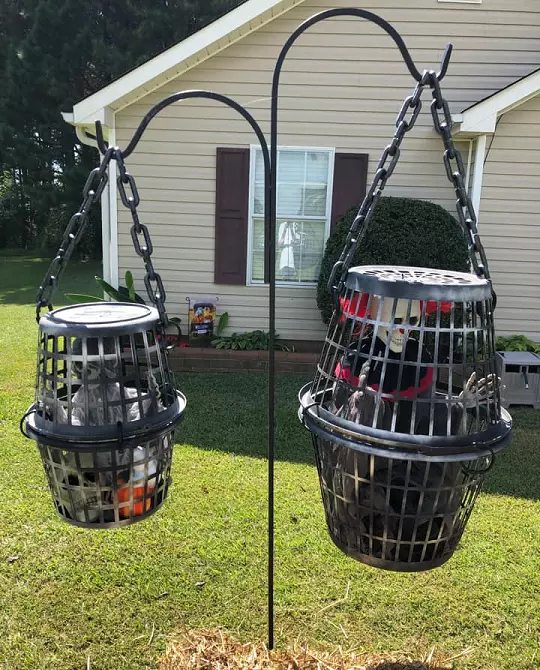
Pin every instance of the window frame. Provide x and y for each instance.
(331, 151)
(463, 2)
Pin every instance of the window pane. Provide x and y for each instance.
(290, 199)
(317, 167)
(299, 250)
(258, 199)
(257, 270)
(259, 166)
(315, 200)
(291, 166)
(308, 250)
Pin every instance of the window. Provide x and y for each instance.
(304, 202)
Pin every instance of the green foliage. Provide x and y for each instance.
(52, 55)
(222, 323)
(403, 231)
(255, 340)
(516, 343)
(121, 294)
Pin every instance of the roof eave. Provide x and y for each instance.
(481, 119)
(180, 58)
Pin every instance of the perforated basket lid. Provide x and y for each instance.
(417, 283)
(97, 319)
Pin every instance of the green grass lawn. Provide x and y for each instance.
(116, 596)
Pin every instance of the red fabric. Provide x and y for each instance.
(354, 308)
(424, 383)
(431, 306)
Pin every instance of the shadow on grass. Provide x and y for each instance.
(228, 412)
(21, 276)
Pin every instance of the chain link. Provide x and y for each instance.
(92, 191)
(453, 163)
(385, 168)
(131, 200)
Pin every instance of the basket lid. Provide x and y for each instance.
(96, 319)
(418, 283)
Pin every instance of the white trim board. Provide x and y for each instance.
(180, 58)
(482, 117)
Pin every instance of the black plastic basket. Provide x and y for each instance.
(396, 513)
(96, 486)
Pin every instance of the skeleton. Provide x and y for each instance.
(369, 494)
(379, 398)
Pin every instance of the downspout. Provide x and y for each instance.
(469, 161)
(112, 216)
(109, 224)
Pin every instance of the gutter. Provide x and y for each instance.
(109, 220)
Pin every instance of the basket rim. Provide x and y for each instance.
(400, 445)
(81, 438)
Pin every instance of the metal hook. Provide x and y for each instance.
(374, 18)
(32, 410)
(102, 145)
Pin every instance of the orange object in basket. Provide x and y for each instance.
(138, 498)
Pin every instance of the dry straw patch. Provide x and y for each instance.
(215, 650)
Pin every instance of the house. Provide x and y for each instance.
(342, 86)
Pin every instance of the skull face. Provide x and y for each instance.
(403, 319)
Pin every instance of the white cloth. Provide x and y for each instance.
(286, 237)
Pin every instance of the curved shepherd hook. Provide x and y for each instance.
(322, 16)
(269, 277)
(270, 167)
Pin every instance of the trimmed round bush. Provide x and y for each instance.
(402, 231)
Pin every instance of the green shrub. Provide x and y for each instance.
(402, 231)
(254, 340)
(516, 343)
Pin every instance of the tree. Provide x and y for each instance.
(54, 53)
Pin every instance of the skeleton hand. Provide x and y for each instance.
(362, 405)
(477, 391)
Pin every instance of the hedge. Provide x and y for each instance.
(402, 231)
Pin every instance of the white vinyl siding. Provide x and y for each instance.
(304, 200)
(343, 84)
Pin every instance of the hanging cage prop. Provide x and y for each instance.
(405, 408)
(106, 404)
(400, 470)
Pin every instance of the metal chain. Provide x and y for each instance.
(455, 171)
(141, 239)
(453, 162)
(96, 182)
(382, 174)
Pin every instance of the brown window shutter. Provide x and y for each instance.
(232, 195)
(350, 182)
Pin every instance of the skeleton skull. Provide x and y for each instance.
(404, 318)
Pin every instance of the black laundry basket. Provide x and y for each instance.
(108, 486)
(405, 413)
(105, 412)
(393, 512)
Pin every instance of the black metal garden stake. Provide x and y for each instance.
(106, 403)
